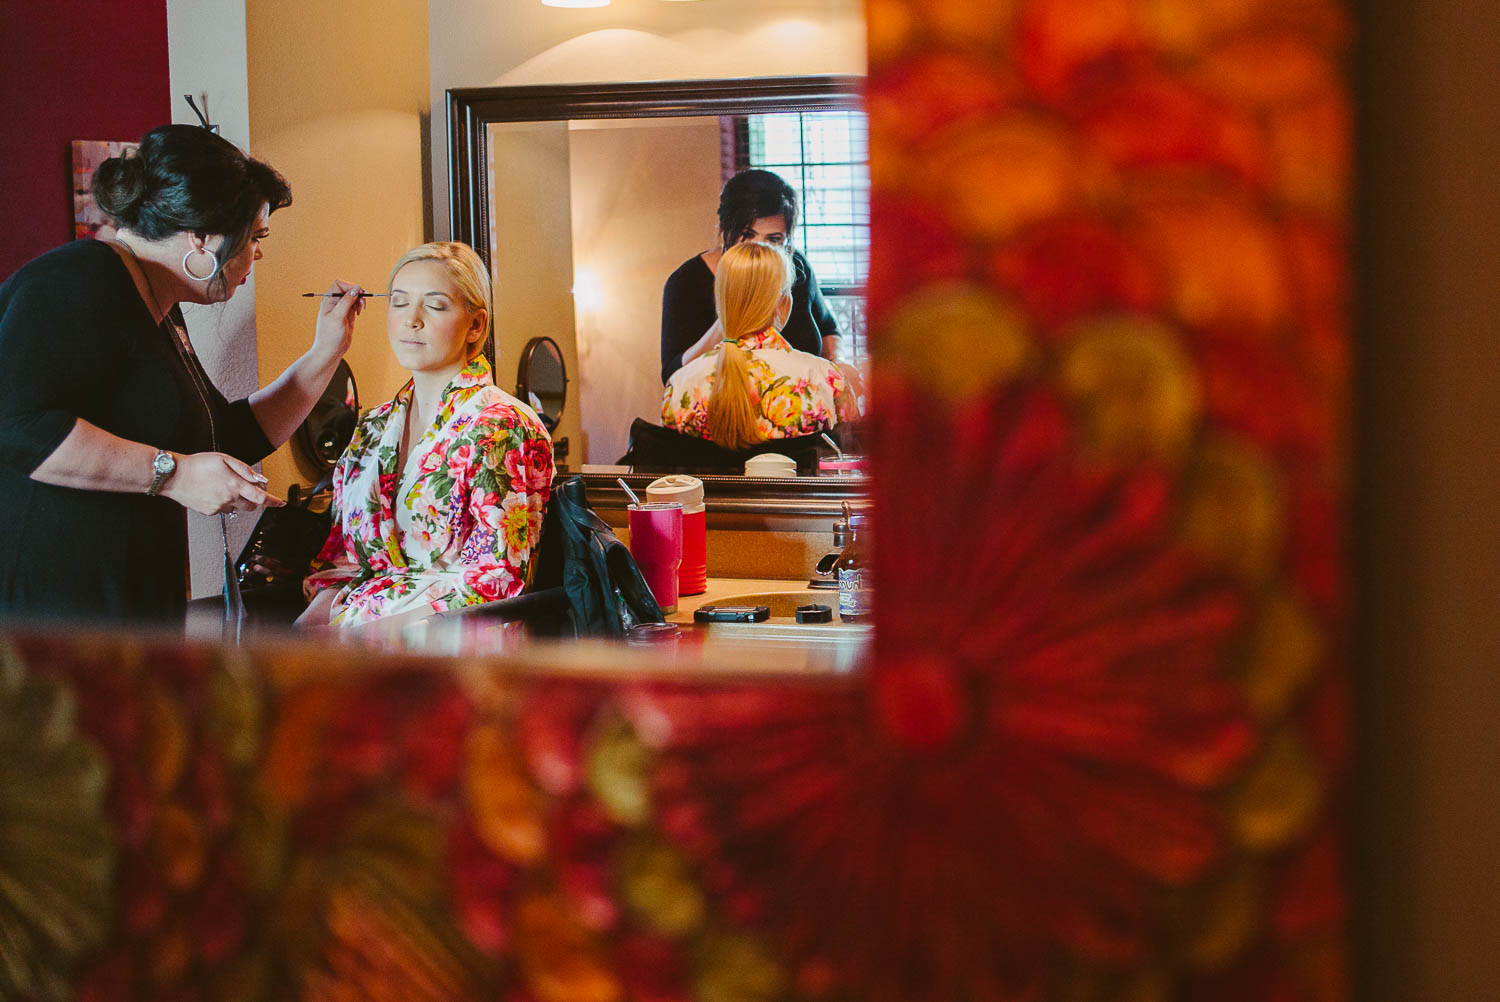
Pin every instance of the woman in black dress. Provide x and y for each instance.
(753, 205)
(109, 427)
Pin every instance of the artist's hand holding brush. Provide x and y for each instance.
(337, 309)
(281, 406)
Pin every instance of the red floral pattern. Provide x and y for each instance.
(437, 539)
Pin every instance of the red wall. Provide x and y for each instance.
(70, 69)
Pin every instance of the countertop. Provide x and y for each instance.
(720, 589)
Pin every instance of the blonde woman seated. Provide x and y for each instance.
(438, 500)
(754, 386)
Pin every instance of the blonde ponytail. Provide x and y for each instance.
(749, 286)
(731, 412)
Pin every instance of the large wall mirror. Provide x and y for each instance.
(585, 198)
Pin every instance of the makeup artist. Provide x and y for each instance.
(109, 426)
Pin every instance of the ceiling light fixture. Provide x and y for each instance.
(575, 3)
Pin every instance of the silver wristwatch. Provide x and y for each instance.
(163, 465)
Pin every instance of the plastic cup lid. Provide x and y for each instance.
(688, 491)
(771, 464)
(644, 634)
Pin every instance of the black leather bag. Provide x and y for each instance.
(282, 546)
(580, 553)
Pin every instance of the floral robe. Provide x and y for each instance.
(458, 526)
(796, 393)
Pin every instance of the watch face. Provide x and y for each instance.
(164, 463)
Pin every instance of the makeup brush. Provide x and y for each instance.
(340, 295)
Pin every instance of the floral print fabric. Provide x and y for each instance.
(458, 526)
(796, 393)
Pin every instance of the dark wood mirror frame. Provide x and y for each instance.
(472, 109)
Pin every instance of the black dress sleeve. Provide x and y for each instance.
(246, 439)
(822, 314)
(811, 319)
(59, 344)
(687, 310)
(239, 433)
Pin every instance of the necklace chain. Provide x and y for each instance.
(189, 357)
(179, 341)
(145, 276)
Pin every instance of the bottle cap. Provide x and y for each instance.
(814, 614)
(685, 490)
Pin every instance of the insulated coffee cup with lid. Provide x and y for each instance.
(692, 576)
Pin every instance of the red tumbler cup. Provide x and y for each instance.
(656, 545)
(692, 576)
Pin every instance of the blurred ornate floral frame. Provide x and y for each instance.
(1100, 752)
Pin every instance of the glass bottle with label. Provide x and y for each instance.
(853, 571)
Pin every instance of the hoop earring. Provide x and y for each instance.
(189, 272)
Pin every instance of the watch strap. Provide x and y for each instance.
(158, 475)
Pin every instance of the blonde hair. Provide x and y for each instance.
(749, 286)
(469, 274)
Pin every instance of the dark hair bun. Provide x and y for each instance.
(187, 179)
(120, 187)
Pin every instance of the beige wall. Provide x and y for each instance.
(206, 58)
(533, 261)
(644, 192)
(338, 99)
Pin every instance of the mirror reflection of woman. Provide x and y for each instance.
(754, 205)
(753, 386)
(438, 501)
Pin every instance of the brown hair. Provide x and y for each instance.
(752, 195)
(186, 178)
(749, 286)
(468, 272)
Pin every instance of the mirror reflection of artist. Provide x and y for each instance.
(752, 386)
(753, 205)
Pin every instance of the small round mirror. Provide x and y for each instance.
(542, 380)
(323, 437)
